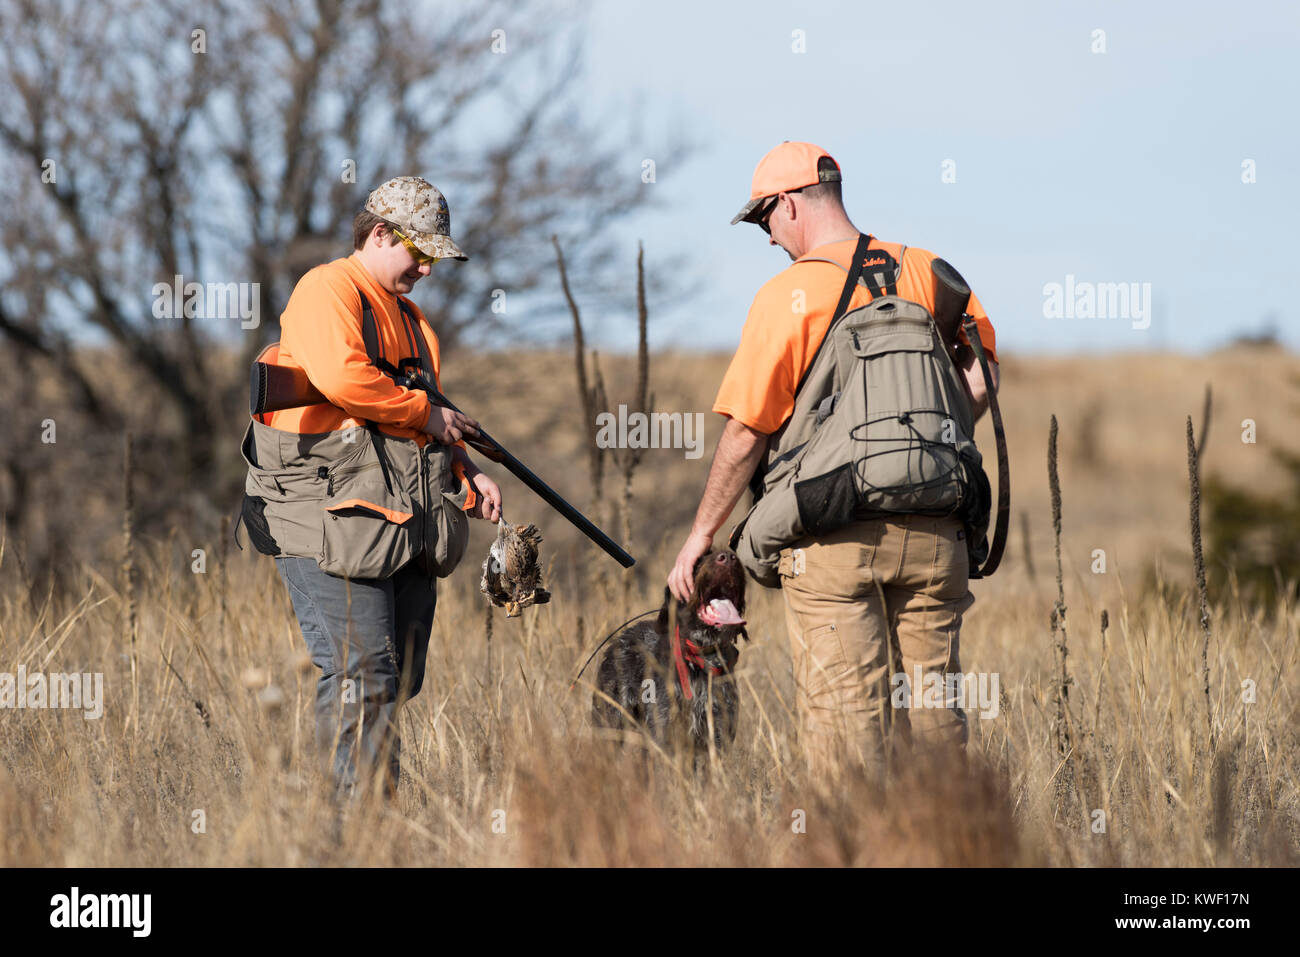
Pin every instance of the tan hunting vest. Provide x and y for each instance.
(358, 501)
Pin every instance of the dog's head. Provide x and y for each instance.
(714, 617)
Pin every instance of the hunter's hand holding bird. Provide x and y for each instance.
(488, 505)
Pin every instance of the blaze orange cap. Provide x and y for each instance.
(789, 167)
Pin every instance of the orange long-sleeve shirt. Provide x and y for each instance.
(320, 333)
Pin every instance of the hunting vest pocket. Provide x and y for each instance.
(359, 502)
(828, 501)
(446, 526)
(281, 506)
(369, 529)
(253, 514)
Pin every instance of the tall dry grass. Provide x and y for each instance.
(500, 766)
(512, 738)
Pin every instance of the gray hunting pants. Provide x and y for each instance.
(369, 638)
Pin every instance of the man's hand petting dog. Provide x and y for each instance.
(654, 673)
(681, 580)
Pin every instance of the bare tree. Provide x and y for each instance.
(226, 141)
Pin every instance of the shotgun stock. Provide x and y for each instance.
(275, 387)
(951, 294)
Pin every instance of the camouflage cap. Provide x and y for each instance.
(419, 210)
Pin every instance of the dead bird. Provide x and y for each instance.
(512, 571)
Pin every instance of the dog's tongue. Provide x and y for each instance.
(720, 611)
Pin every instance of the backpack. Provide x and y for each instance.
(881, 425)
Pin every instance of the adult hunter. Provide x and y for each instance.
(363, 499)
(851, 417)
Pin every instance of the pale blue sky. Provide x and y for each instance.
(1123, 166)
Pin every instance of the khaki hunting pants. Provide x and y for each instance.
(867, 605)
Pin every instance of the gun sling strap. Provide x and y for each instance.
(998, 543)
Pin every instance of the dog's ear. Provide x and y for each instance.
(663, 610)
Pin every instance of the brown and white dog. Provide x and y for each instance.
(657, 672)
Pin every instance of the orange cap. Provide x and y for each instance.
(789, 167)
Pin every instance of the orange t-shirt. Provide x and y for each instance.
(789, 319)
(320, 333)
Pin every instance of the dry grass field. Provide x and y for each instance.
(500, 766)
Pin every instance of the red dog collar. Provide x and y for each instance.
(692, 653)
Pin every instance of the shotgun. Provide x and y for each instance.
(951, 302)
(274, 387)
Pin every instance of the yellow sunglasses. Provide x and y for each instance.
(419, 255)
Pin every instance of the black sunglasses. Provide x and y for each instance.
(767, 213)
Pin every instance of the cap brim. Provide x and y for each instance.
(435, 244)
(747, 211)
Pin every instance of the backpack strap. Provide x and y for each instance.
(846, 296)
(369, 331)
(370, 336)
(884, 274)
(881, 277)
(413, 333)
(374, 350)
